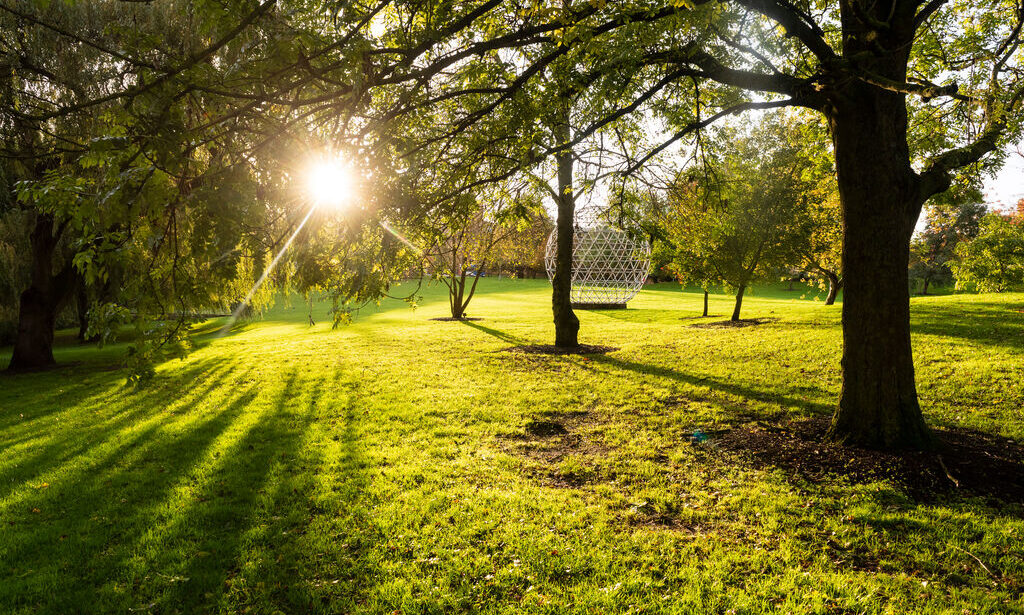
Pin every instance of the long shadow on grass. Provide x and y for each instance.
(993, 324)
(501, 335)
(647, 369)
(312, 553)
(671, 374)
(194, 557)
(78, 533)
(79, 438)
(646, 315)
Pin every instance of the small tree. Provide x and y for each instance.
(465, 240)
(932, 250)
(688, 262)
(994, 260)
(743, 222)
(822, 251)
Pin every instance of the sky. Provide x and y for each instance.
(1006, 188)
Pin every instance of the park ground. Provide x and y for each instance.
(405, 465)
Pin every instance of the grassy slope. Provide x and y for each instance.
(375, 468)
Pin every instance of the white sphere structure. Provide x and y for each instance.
(608, 266)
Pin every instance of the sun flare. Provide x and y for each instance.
(331, 183)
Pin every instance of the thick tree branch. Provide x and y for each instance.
(796, 23)
(936, 177)
(927, 11)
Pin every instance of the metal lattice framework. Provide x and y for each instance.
(608, 266)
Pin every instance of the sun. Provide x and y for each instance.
(331, 183)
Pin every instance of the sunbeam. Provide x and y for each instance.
(266, 272)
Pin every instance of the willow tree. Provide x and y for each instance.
(110, 155)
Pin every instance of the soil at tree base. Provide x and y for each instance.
(558, 350)
(965, 461)
(733, 324)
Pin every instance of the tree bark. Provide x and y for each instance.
(739, 302)
(567, 325)
(39, 303)
(924, 289)
(705, 303)
(834, 284)
(458, 290)
(880, 196)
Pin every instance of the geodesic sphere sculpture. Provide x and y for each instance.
(608, 266)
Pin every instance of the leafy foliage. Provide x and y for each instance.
(746, 221)
(933, 249)
(994, 260)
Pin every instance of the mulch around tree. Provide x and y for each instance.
(734, 324)
(556, 350)
(965, 462)
(450, 319)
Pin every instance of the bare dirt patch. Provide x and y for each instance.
(545, 429)
(547, 441)
(965, 462)
(556, 350)
(450, 319)
(734, 324)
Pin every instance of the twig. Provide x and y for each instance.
(946, 470)
(976, 559)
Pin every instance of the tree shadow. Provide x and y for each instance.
(806, 406)
(183, 508)
(646, 369)
(96, 503)
(501, 335)
(57, 447)
(647, 315)
(315, 506)
(993, 324)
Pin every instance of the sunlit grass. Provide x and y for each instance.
(380, 467)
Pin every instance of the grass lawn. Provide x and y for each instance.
(404, 465)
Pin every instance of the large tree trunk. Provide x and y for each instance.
(567, 326)
(739, 302)
(834, 284)
(39, 303)
(880, 196)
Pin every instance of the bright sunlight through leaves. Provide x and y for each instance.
(331, 182)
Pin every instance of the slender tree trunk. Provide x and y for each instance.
(82, 307)
(834, 284)
(466, 298)
(567, 326)
(880, 195)
(924, 289)
(458, 290)
(39, 303)
(739, 302)
(705, 303)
